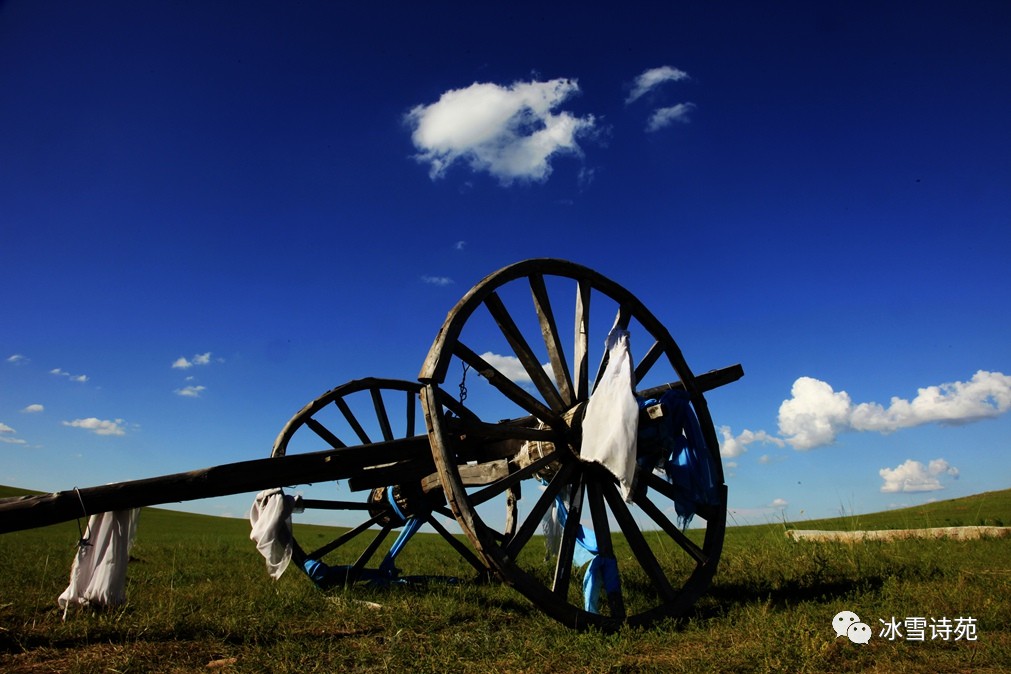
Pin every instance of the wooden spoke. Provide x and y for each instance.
(655, 482)
(455, 406)
(648, 361)
(353, 421)
(567, 546)
(369, 551)
(582, 349)
(493, 490)
(345, 537)
(536, 513)
(513, 496)
(640, 548)
(324, 432)
(549, 331)
(522, 350)
(410, 413)
(602, 531)
(455, 543)
(505, 385)
(670, 529)
(381, 416)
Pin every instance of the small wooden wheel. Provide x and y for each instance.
(502, 479)
(397, 495)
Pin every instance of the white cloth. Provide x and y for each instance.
(98, 574)
(270, 517)
(611, 422)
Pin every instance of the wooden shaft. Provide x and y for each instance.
(28, 512)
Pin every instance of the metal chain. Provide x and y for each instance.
(463, 383)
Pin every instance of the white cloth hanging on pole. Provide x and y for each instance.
(611, 422)
(270, 517)
(98, 574)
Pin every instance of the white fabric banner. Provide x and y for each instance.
(98, 574)
(611, 422)
(270, 517)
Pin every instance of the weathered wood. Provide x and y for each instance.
(233, 478)
(522, 350)
(552, 340)
(509, 389)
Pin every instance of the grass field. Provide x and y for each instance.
(199, 600)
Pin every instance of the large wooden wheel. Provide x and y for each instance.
(397, 495)
(511, 335)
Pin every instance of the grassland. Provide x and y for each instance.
(199, 600)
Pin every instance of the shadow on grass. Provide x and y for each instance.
(786, 593)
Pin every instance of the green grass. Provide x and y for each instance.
(198, 595)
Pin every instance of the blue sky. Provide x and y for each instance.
(213, 212)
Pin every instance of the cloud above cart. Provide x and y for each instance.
(511, 132)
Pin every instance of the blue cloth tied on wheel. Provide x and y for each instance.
(674, 443)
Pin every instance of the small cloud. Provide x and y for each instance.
(72, 377)
(510, 132)
(98, 426)
(652, 78)
(4, 428)
(732, 446)
(183, 363)
(913, 476)
(460, 245)
(17, 359)
(437, 280)
(664, 117)
(779, 503)
(33, 408)
(190, 391)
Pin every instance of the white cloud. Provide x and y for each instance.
(652, 78)
(190, 391)
(16, 359)
(731, 446)
(183, 363)
(510, 132)
(816, 414)
(33, 408)
(663, 117)
(512, 368)
(98, 426)
(437, 280)
(913, 476)
(460, 245)
(779, 503)
(72, 377)
(6, 433)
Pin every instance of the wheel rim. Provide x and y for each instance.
(533, 378)
(404, 495)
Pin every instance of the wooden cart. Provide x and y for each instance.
(438, 448)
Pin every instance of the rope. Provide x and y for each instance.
(84, 540)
